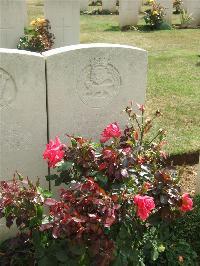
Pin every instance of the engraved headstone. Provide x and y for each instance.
(12, 22)
(89, 85)
(64, 16)
(23, 121)
(168, 9)
(109, 5)
(128, 12)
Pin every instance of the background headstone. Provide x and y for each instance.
(23, 121)
(109, 5)
(128, 12)
(83, 5)
(193, 8)
(168, 5)
(12, 22)
(64, 16)
(89, 85)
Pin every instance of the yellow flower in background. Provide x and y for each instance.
(33, 23)
(155, 12)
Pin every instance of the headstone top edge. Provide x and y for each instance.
(70, 48)
(19, 52)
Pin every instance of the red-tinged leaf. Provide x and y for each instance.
(45, 227)
(136, 136)
(77, 220)
(109, 221)
(56, 232)
(50, 202)
(115, 198)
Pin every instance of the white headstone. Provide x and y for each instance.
(168, 9)
(193, 8)
(89, 85)
(109, 5)
(12, 22)
(64, 16)
(23, 121)
(84, 5)
(128, 12)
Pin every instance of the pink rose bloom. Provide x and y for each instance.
(54, 152)
(187, 203)
(145, 205)
(111, 131)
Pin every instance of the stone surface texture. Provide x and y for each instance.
(109, 5)
(83, 5)
(23, 121)
(168, 5)
(64, 16)
(193, 8)
(129, 12)
(90, 85)
(12, 22)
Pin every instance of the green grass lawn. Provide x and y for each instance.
(173, 72)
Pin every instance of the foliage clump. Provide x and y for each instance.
(38, 38)
(154, 16)
(116, 200)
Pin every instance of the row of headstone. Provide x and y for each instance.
(87, 88)
(129, 10)
(64, 16)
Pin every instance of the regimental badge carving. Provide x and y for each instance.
(98, 83)
(8, 89)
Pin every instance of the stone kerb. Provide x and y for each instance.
(64, 16)
(89, 85)
(23, 121)
(109, 5)
(12, 22)
(128, 12)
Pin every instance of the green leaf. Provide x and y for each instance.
(46, 193)
(65, 166)
(62, 255)
(51, 177)
(155, 254)
(100, 177)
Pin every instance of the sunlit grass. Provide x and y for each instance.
(173, 72)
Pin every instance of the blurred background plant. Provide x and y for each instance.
(178, 5)
(38, 37)
(154, 16)
(185, 18)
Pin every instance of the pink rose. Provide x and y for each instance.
(54, 152)
(187, 203)
(145, 205)
(111, 131)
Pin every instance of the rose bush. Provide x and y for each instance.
(115, 198)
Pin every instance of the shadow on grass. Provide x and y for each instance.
(142, 28)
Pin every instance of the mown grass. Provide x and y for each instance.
(173, 72)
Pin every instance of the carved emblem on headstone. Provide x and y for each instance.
(98, 83)
(8, 89)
